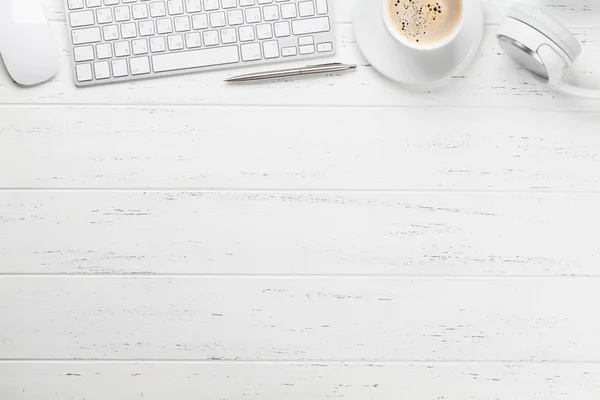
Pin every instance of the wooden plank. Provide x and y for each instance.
(275, 233)
(572, 13)
(354, 381)
(492, 80)
(332, 148)
(237, 318)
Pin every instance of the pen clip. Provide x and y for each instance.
(324, 65)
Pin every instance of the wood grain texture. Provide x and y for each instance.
(274, 233)
(297, 381)
(492, 80)
(330, 148)
(303, 319)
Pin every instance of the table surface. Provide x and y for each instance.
(339, 237)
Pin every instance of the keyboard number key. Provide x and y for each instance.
(139, 65)
(104, 51)
(246, 33)
(193, 6)
(158, 44)
(84, 72)
(111, 32)
(192, 40)
(271, 49)
(83, 53)
(119, 68)
(199, 21)
(102, 70)
(324, 47)
(282, 28)
(139, 46)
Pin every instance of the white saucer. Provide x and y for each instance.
(405, 65)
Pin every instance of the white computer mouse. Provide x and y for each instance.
(26, 43)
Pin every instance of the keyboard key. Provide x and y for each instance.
(158, 44)
(306, 8)
(195, 58)
(271, 49)
(304, 40)
(128, 1)
(246, 3)
(139, 65)
(175, 42)
(210, 38)
(235, 17)
(102, 70)
(84, 72)
(158, 9)
(122, 49)
(217, 19)
(211, 5)
(139, 46)
(193, 6)
(83, 53)
(104, 16)
(93, 3)
(288, 10)
(122, 14)
(75, 4)
(246, 33)
(289, 51)
(111, 32)
(265, 1)
(192, 40)
(175, 7)
(164, 25)
(104, 51)
(128, 30)
(228, 4)
(310, 25)
(111, 2)
(308, 49)
(263, 31)
(182, 24)
(324, 47)
(322, 7)
(282, 29)
(146, 28)
(200, 21)
(252, 15)
(271, 13)
(87, 35)
(119, 68)
(139, 11)
(228, 36)
(250, 51)
(81, 18)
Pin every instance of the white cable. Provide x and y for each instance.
(497, 9)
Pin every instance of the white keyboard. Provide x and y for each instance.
(124, 40)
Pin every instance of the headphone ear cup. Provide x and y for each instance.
(548, 26)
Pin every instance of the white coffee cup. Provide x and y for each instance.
(393, 30)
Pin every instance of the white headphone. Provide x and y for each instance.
(543, 46)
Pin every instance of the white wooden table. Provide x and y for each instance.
(362, 241)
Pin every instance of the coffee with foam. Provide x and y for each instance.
(425, 22)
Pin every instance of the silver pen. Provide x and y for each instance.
(284, 73)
